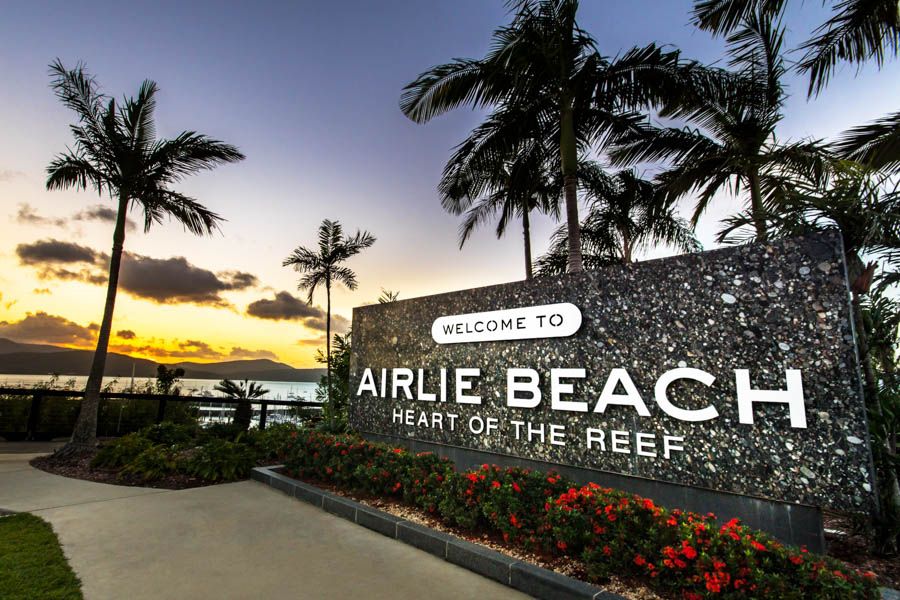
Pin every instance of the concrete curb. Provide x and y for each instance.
(525, 577)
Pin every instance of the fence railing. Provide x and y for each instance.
(35, 400)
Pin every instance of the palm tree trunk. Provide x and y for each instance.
(757, 211)
(328, 352)
(85, 432)
(526, 232)
(569, 157)
(626, 247)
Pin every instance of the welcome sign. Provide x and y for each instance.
(733, 370)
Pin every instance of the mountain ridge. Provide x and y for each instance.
(42, 359)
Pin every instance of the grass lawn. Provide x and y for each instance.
(32, 564)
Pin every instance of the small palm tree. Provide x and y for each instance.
(116, 152)
(322, 266)
(544, 59)
(244, 390)
(627, 214)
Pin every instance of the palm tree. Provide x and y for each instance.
(544, 59)
(244, 391)
(628, 214)
(734, 145)
(858, 31)
(323, 266)
(505, 168)
(116, 152)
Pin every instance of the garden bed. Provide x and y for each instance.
(597, 534)
(170, 456)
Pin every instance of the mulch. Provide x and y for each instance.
(845, 542)
(79, 467)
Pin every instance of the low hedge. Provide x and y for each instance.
(679, 553)
(213, 454)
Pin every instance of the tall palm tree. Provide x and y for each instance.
(503, 167)
(627, 214)
(858, 31)
(116, 152)
(245, 391)
(730, 142)
(322, 266)
(544, 59)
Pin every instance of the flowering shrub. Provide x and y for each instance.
(680, 553)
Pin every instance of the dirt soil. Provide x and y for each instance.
(79, 467)
(844, 542)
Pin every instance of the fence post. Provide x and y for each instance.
(262, 415)
(34, 415)
(161, 411)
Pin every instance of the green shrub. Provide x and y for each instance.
(224, 431)
(121, 451)
(269, 443)
(680, 554)
(221, 460)
(170, 434)
(153, 463)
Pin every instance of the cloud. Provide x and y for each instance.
(287, 307)
(27, 215)
(126, 334)
(105, 214)
(56, 252)
(49, 329)
(9, 174)
(162, 280)
(315, 342)
(55, 259)
(238, 352)
(172, 280)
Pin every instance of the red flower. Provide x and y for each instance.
(495, 484)
(516, 487)
(607, 551)
(639, 560)
(796, 559)
(561, 545)
(688, 550)
(757, 546)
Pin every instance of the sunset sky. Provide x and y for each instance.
(310, 94)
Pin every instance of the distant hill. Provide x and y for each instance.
(8, 346)
(33, 359)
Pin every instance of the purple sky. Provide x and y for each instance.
(309, 93)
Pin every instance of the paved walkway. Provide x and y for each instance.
(237, 540)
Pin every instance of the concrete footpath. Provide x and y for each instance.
(236, 540)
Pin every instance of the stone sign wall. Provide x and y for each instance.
(733, 370)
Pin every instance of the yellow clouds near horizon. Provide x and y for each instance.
(53, 286)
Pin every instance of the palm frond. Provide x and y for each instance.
(876, 144)
(858, 31)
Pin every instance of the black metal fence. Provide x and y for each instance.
(34, 413)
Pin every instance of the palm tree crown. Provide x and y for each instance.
(734, 144)
(116, 151)
(627, 214)
(544, 61)
(322, 267)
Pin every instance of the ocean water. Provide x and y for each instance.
(278, 390)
